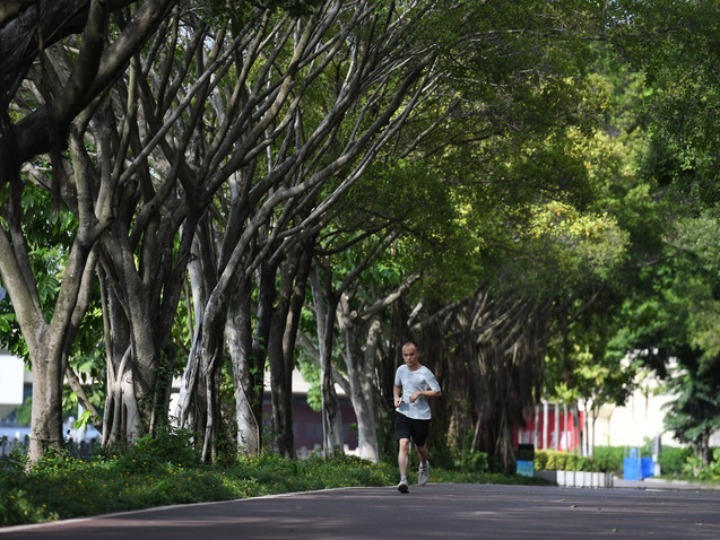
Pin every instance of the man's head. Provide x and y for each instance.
(411, 354)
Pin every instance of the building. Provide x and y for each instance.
(14, 380)
(639, 421)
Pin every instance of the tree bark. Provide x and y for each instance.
(248, 373)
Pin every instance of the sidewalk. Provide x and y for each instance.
(660, 483)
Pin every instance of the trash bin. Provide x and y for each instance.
(647, 467)
(636, 467)
(525, 462)
(632, 466)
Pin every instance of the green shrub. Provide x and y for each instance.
(672, 459)
(610, 458)
(474, 461)
(693, 467)
(541, 459)
(168, 447)
(573, 462)
(16, 506)
(551, 460)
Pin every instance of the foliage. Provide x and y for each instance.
(694, 414)
(611, 456)
(552, 460)
(467, 461)
(175, 447)
(602, 244)
(693, 467)
(672, 459)
(474, 462)
(15, 507)
(48, 233)
(675, 313)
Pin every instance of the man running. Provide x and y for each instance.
(414, 385)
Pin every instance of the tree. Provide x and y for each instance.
(54, 101)
(673, 44)
(314, 154)
(694, 413)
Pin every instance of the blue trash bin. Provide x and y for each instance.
(632, 469)
(647, 467)
(632, 466)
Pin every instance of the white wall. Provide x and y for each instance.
(640, 419)
(12, 371)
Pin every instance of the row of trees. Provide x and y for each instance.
(219, 190)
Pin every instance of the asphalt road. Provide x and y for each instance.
(448, 511)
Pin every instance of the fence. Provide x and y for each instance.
(15, 445)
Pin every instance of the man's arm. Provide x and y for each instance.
(397, 392)
(426, 393)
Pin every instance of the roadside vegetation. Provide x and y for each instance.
(675, 462)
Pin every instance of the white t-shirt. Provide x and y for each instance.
(421, 379)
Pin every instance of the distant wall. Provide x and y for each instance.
(307, 423)
(12, 371)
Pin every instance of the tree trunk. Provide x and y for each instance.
(248, 373)
(46, 423)
(325, 304)
(281, 383)
(360, 367)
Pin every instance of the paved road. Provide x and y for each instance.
(447, 511)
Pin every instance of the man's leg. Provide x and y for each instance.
(424, 467)
(421, 430)
(403, 451)
(422, 453)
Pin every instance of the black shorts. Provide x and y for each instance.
(410, 428)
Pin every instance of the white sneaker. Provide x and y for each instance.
(423, 473)
(403, 486)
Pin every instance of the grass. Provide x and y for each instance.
(63, 487)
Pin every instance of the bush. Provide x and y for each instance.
(551, 460)
(694, 468)
(610, 458)
(573, 462)
(555, 461)
(477, 462)
(15, 507)
(672, 459)
(541, 459)
(169, 446)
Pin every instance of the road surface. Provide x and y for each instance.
(447, 511)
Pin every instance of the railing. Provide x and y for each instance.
(10, 446)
